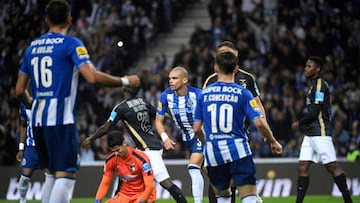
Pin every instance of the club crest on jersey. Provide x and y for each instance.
(190, 103)
(132, 167)
(242, 82)
(82, 52)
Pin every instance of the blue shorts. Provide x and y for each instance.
(58, 147)
(242, 171)
(194, 146)
(30, 158)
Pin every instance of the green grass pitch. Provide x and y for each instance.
(291, 199)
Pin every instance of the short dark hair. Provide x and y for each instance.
(57, 11)
(226, 44)
(115, 138)
(226, 61)
(131, 91)
(317, 60)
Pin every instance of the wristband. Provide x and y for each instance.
(97, 201)
(21, 146)
(124, 81)
(164, 136)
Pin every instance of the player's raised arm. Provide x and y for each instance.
(97, 77)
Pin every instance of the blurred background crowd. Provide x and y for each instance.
(274, 39)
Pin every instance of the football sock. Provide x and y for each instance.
(177, 194)
(62, 189)
(47, 187)
(249, 199)
(197, 181)
(223, 199)
(302, 185)
(23, 186)
(233, 194)
(341, 183)
(211, 194)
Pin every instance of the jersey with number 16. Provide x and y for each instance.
(52, 62)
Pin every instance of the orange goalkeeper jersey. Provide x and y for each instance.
(134, 170)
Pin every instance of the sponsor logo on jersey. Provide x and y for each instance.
(146, 167)
(319, 96)
(159, 106)
(82, 52)
(254, 105)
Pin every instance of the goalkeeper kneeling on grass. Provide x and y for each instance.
(133, 169)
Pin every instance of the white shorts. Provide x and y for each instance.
(157, 163)
(317, 149)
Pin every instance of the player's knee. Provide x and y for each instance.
(222, 193)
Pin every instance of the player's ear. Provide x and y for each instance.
(216, 68)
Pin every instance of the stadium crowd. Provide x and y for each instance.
(274, 39)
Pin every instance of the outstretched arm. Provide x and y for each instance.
(94, 76)
(101, 131)
(265, 130)
(159, 124)
(198, 131)
(103, 188)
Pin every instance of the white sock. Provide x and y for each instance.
(197, 181)
(62, 190)
(224, 199)
(23, 186)
(250, 199)
(47, 187)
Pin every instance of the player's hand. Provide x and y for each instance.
(86, 143)
(169, 144)
(134, 80)
(19, 155)
(276, 148)
(295, 125)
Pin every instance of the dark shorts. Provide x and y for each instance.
(194, 146)
(30, 158)
(58, 147)
(242, 171)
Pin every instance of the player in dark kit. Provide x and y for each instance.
(317, 145)
(138, 115)
(244, 79)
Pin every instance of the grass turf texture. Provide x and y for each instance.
(291, 199)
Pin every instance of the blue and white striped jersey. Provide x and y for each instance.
(222, 108)
(182, 109)
(52, 63)
(25, 115)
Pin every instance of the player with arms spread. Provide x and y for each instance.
(138, 115)
(133, 169)
(222, 108)
(317, 144)
(52, 64)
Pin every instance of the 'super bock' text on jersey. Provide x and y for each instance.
(181, 108)
(242, 78)
(52, 63)
(137, 115)
(319, 94)
(222, 108)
